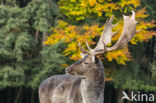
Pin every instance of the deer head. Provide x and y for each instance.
(90, 61)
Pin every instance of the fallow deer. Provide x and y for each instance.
(84, 81)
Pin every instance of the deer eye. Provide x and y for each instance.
(86, 63)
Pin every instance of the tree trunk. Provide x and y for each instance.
(32, 96)
(44, 38)
(18, 95)
(119, 96)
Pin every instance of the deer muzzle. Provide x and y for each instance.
(67, 70)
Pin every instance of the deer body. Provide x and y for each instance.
(75, 89)
(85, 80)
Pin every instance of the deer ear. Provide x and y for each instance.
(82, 55)
(93, 58)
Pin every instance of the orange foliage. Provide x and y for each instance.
(81, 9)
(73, 34)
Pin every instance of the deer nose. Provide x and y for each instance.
(67, 70)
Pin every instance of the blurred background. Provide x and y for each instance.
(39, 38)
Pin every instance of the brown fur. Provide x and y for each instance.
(88, 84)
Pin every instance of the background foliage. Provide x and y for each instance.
(73, 34)
(39, 38)
(24, 61)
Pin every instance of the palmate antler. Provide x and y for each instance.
(129, 30)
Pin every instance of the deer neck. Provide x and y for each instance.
(92, 87)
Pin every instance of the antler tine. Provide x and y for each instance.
(133, 15)
(88, 45)
(115, 32)
(82, 49)
(115, 25)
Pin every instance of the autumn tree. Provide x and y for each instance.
(84, 20)
(83, 11)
